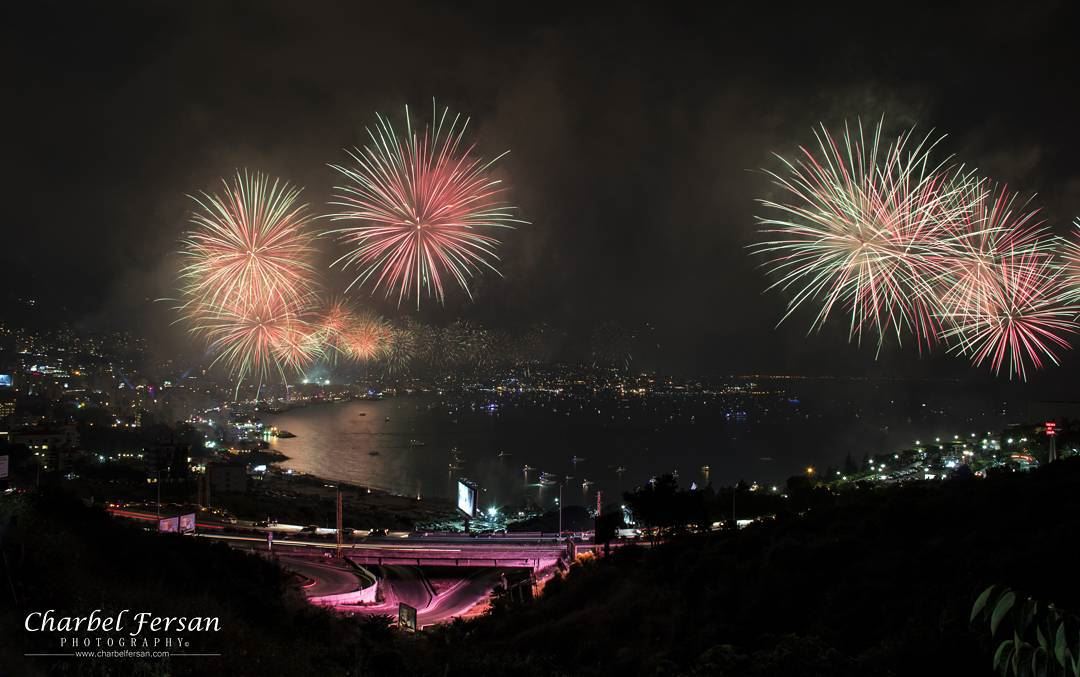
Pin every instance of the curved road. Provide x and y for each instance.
(329, 580)
(408, 584)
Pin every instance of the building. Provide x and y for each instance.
(53, 446)
(7, 408)
(227, 478)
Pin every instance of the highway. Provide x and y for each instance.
(467, 566)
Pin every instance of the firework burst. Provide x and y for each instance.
(400, 350)
(249, 242)
(861, 231)
(259, 337)
(368, 338)
(998, 225)
(247, 278)
(424, 205)
(334, 324)
(1019, 317)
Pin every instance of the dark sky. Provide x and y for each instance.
(635, 136)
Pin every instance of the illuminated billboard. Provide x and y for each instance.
(5, 380)
(169, 525)
(187, 523)
(466, 498)
(406, 616)
(3, 466)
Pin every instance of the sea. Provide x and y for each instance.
(526, 448)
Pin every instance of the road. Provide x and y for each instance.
(328, 580)
(407, 584)
(460, 597)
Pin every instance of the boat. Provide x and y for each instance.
(284, 434)
(363, 413)
(586, 484)
(576, 459)
(417, 443)
(373, 453)
(388, 419)
(504, 454)
(528, 468)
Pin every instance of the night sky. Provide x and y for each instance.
(636, 136)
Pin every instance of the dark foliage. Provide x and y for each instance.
(866, 582)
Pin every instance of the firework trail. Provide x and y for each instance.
(423, 204)
(861, 231)
(1019, 317)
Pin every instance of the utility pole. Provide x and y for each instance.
(339, 535)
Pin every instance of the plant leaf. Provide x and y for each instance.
(1059, 644)
(1000, 609)
(980, 603)
(999, 655)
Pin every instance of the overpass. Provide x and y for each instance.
(423, 551)
(535, 557)
(533, 550)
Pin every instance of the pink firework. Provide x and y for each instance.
(368, 338)
(998, 224)
(423, 205)
(252, 238)
(1020, 317)
(333, 326)
(256, 337)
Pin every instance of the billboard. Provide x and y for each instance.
(466, 498)
(406, 616)
(187, 523)
(3, 467)
(5, 380)
(169, 525)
